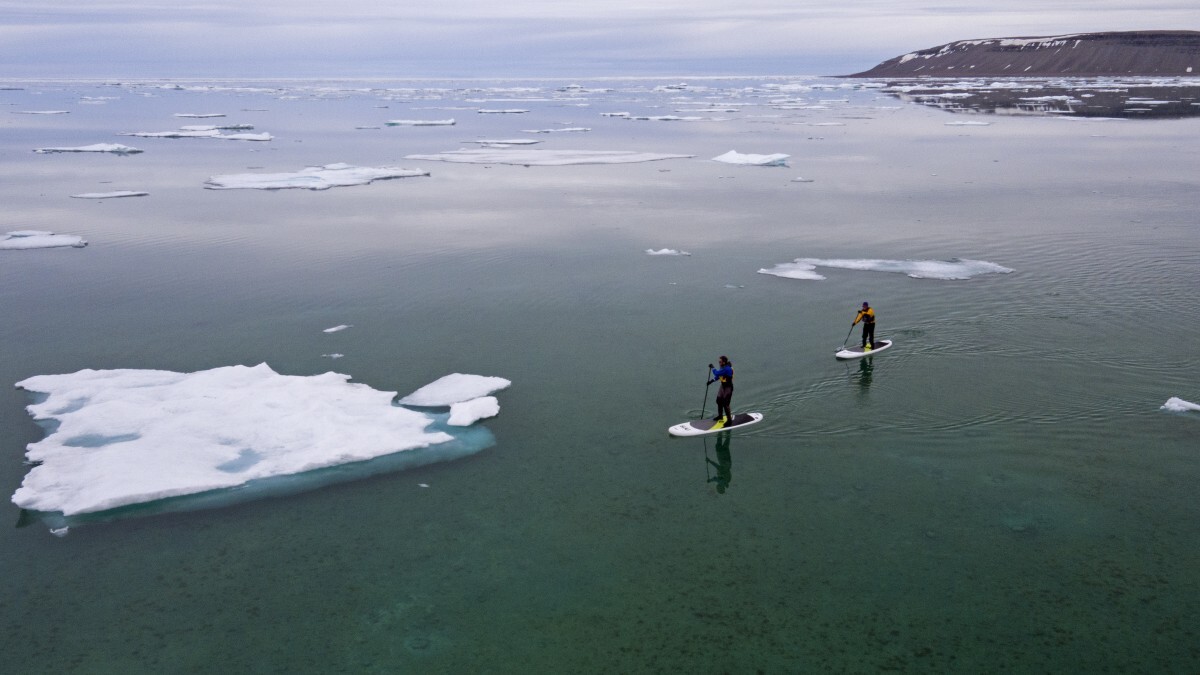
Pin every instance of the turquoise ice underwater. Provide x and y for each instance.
(1001, 490)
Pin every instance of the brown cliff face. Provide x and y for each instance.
(1138, 53)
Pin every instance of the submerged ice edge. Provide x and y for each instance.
(110, 445)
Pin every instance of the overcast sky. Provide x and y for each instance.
(524, 38)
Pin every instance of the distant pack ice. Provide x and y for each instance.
(312, 178)
(114, 148)
(124, 437)
(545, 157)
(956, 268)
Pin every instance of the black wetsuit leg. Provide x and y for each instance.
(868, 334)
(724, 397)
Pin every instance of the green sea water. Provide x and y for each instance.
(999, 492)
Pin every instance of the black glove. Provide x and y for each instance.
(710, 382)
(710, 366)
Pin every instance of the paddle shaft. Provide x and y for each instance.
(707, 384)
(847, 336)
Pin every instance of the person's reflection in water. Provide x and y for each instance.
(864, 373)
(724, 463)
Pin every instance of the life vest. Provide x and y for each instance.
(865, 315)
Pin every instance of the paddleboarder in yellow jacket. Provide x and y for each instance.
(867, 316)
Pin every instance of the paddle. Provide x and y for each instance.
(707, 383)
(847, 336)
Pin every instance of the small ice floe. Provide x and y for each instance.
(545, 157)
(665, 251)
(337, 329)
(1175, 404)
(109, 195)
(421, 123)
(505, 111)
(505, 143)
(28, 239)
(199, 115)
(614, 114)
(466, 413)
(734, 157)
(122, 437)
(422, 485)
(671, 118)
(954, 269)
(333, 356)
(455, 388)
(113, 148)
(41, 112)
(179, 133)
(968, 123)
(552, 131)
(312, 178)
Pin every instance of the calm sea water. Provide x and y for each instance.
(998, 492)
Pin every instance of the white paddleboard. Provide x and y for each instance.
(702, 427)
(858, 352)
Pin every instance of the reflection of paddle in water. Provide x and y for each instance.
(724, 463)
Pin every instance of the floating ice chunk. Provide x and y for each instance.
(666, 251)
(311, 178)
(507, 111)
(133, 436)
(114, 148)
(968, 123)
(455, 388)
(466, 413)
(1175, 404)
(918, 269)
(336, 329)
(801, 179)
(670, 118)
(614, 114)
(551, 131)
(41, 112)
(246, 137)
(734, 157)
(545, 157)
(110, 195)
(181, 133)
(27, 239)
(200, 115)
(794, 270)
(421, 123)
(333, 356)
(505, 143)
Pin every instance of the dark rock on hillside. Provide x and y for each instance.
(1156, 53)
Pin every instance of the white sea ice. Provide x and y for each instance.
(551, 131)
(1175, 404)
(29, 239)
(311, 178)
(968, 123)
(804, 268)
(455, 388)
(734, 157)
(180, 133)
(41, 112)
(420, 123)
(132, 436)
(665, 251)
(199, 115)
(336, 329)
(507, 111)
(505, 143)
(114, 148)
(110, 195)
(466, 413)
(545, 157)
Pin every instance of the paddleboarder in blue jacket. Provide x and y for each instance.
(723, 374)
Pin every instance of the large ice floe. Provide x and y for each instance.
(127, 442)
(734, 157)
(110, 195)
(1176, 404)
(29, 239)
(956, 268)
(113, 148)
(311, 178)
(545, 157)
(205, 132)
